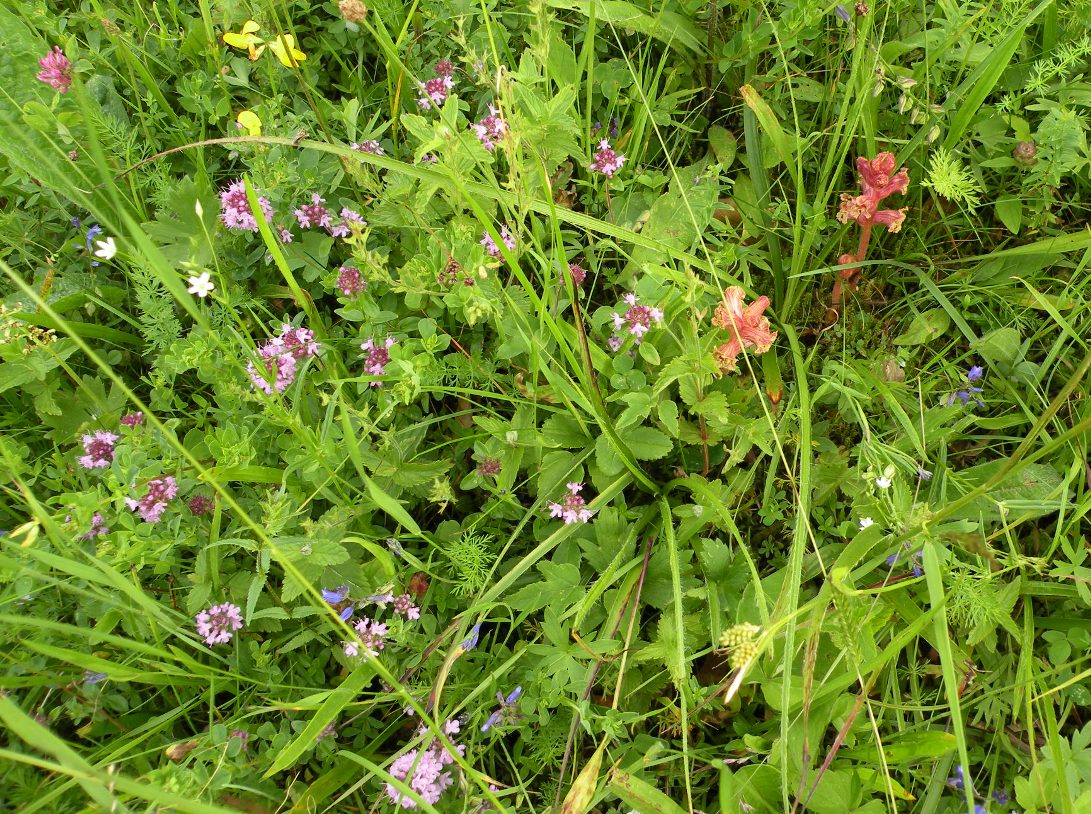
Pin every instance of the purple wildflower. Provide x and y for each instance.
(338, 600)
(470, 642)
(489, 467)
(574, 508)
(243, 736)
(615, 342)
(280, 356)
(218, 624)
(490, 244)
(378, 356)
(1001, 797)
(914, 560)
(133, 419)
(505, 715)
(404, 606)
(91, 678)
(235, 212)
(314, 214)
(369, 638)
(958, 781)
(423, 770)
(98, 449)
(349, 281)
(491, 129)
(160, 491)
(56, 70)
(371, 146)
(577, 273)
(329, 731)
(614, 125)
(924, 474)
(638, 318)
(98, 527)
(606, 160)
(975, 373)
(842, 13)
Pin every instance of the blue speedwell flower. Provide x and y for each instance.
(974, 374)
(505, 714)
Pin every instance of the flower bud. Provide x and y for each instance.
(352, 11)
(1025, 153)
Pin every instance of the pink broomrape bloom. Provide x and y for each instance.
(606, 160)
(218, 624)
(56, 70)
(99, 450)
(878, 180)
(574, 508)
(746, 325)
(378, 356)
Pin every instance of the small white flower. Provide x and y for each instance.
(202, 286)
(106, 248)
(866, 522)
(883, 482)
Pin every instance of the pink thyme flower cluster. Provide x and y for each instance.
(201, 505)
(98, 450)
(433, 93)
(281, 356)
(315, 216)
(370, 637)
(606, 160)
(98, 526)
(877, 181)
(160, 492)
(404, 606)
(370, 146)
(378, 356)
(491, 129)
(425, 770)
(349, 281)
(235, 212)
(133, 419)
(218, 624)
(638, 319)
(574, 508)
(490, 244)
(56, 70)
(746, 325)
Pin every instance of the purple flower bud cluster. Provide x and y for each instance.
(425, 770)
(218, 624)
(606, 160)
(491, 129)
(433, 93)
(133, 420)
(281, 356)
(377, 356)
(235, 212)
(159, 492)
(98, 526)
(316, 216)
(98, 448)
(638, 319)
(349, 281)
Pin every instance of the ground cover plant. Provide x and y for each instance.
(566, 406)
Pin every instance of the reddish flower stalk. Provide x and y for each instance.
(878, 180)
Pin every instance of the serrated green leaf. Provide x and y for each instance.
(647, 443)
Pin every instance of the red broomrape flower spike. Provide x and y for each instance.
(878, 180)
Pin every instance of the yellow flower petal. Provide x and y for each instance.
(284, 47)
(246, 38)
(249, 121)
